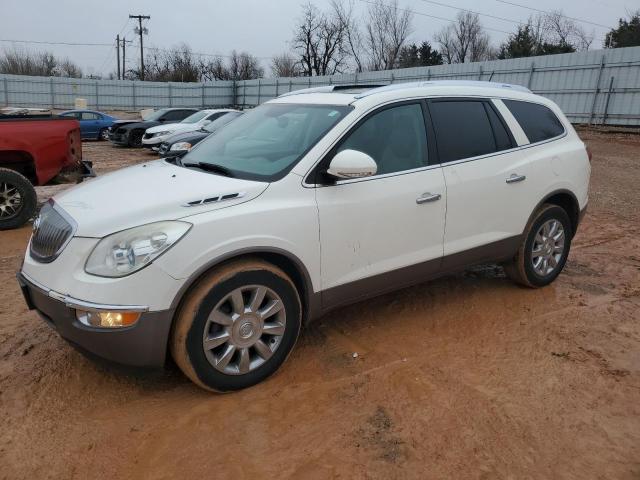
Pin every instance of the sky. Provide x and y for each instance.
(262, 27)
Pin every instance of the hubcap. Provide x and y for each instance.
(548, 247)
(10, 201)
(244, 329)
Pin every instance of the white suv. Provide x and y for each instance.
(313, 200)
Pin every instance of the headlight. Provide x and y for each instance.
(159, 134)
(128, 251)
(181, 146)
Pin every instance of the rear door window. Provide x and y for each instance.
(463, 129)
(537, 121)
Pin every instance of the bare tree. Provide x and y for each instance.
(344, 13)
(564, 31)
(285, 65)
(465, 40)
(178, 64)
(386, 32)
(239, 66)
(21, 62)
(319, 41)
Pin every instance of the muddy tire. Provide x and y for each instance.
(18, 200)
(135, 138)
(544, 248)
(236, 326)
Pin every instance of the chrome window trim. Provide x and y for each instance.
(428, 167)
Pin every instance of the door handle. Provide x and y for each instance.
(515, 178)
(428, 197)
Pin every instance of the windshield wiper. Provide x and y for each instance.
(210, 167)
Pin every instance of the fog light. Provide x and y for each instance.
(107, 319)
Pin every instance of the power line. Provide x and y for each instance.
(74, 44)
(434, 16)
(547, 12)
(474, 12)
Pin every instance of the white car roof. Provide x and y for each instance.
(347, 95)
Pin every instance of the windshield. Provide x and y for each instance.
(222, 121)
(196, 117)
(153, 116)
(268, 141)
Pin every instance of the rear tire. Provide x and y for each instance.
(236, 326)
(135, 139)
(18, 199)
(544, 248)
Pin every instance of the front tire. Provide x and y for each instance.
(236, 326)
(103, 135)
(18, 199)
(544, 249)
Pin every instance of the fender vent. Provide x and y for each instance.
(219, 198)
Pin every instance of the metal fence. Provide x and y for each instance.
(60, 93)
(601, 87)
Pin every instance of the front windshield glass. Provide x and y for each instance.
(153, 116)
(196, 117)
(221, 121)
(268, 141)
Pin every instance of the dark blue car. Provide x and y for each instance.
(94, 125)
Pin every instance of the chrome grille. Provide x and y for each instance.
(51, 233)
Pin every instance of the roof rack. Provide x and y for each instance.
(444, 83)
(333, 88)
(373, 89)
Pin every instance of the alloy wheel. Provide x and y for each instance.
(547, 247)
(244, 329)
(10, 201)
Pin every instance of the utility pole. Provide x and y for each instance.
(141, 31)
(118, 53)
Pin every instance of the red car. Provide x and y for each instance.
(35, 150)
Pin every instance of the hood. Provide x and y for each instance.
(186, 137)
(172, 127)
(147, 193)
(120, 123)
(140, 125)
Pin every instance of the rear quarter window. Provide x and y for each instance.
(537, 121)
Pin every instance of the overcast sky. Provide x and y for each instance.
(261, 27)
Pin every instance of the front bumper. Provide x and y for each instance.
(143, 344)
(119, 138)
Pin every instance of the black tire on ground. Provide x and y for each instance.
(521, 269)
(188, 331)
(103, 134)
(135, 138)
(18, 200)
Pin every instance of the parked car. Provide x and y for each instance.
(35, 150)
(179, 144)
(94, 125)
(154, 136)
(313, 200)
(129, 133)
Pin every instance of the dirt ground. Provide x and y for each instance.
(468, 376)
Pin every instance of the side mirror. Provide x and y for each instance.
(352, 164)
(206, 122)
(162, 119)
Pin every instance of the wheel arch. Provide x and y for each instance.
(20, 161)
(566, 200)
(282, 259)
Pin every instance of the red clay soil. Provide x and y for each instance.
(468, 376)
